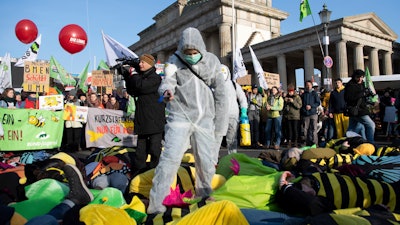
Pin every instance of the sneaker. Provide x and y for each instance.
(79, 193)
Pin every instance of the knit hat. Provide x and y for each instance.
(365, 149)
(149, 59)
(290, 87)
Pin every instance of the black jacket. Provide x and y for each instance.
(150, 113)
(337, 103)
(352, 93)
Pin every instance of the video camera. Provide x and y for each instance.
(124, 63)
(134, 62)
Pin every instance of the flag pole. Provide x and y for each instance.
(233, 35)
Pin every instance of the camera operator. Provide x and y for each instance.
(356, 95)
(142, 83)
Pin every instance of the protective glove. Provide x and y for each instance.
(243, 112)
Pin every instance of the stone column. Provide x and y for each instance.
(308, 64)
(374, 62)
(341, 60)
(225, 41)
(291, 76)
(359, 57)
(387, 63)
(282, 70)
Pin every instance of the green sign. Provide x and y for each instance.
(30, 129)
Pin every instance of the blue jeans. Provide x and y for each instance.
(277, 123)
(116, 180)
(368, 124)
(262, 217)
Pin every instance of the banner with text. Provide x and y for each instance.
(30, 129)
(108, 127)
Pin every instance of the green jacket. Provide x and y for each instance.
(276, 103)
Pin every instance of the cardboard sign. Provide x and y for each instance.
(102, 78)
(36, 77)
(272, 79)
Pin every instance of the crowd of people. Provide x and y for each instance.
(194, 106)
(313, 116)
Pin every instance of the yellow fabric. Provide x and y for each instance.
(341, 124)
(216, 213)
(96, 214)
(136, 204)
(350, 220)
(365, 149)
(188, 158)
(325, 100)
(17, 219)
(142, 183)
(219, 213)
(64, 157)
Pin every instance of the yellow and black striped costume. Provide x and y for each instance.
(333, 162)
(377, 215)
(387, 150)
(350, 192)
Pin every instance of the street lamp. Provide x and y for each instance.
(325, 16)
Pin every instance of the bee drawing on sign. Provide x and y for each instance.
(37, 121)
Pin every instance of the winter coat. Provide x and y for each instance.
(337, 104)
(276, 103)
(150, 113)
(292, 109)
(310, 98)
(352, 93)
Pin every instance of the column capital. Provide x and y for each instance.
(224, 24)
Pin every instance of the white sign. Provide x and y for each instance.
(51, 102)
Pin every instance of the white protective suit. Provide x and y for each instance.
(197, 114)
(237, 100)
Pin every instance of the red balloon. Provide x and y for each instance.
(72, 38)
(26, 31)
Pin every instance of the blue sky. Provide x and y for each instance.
(124, 19)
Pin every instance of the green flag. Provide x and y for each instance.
(369, 84)
(82, 79)
(102, 66)
(60, 74)
(305, 9)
